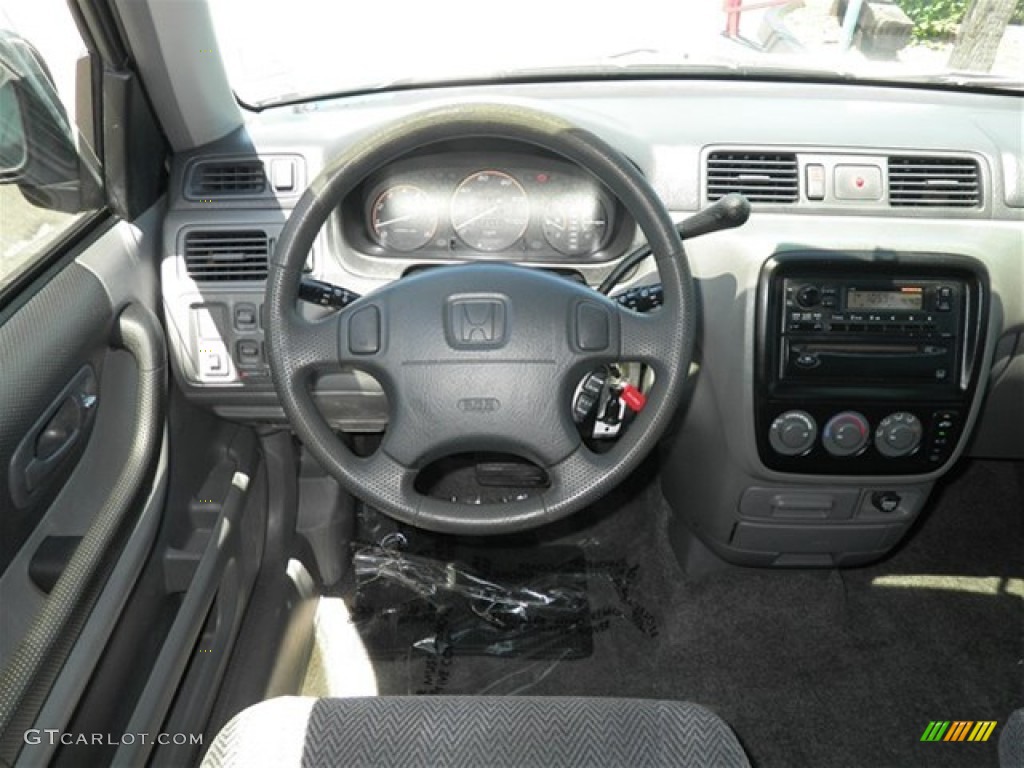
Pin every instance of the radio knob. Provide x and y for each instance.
(808, 296)
(898, 434)
(846, 434)
(793, 433)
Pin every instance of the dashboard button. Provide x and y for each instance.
(858, 182)
(246, 317)
(815, 181)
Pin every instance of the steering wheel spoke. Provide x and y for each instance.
(644, 337)
(313, 345)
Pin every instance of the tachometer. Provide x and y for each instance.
(403, 218)
(575, 225)
(490, 211)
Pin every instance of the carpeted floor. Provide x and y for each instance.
(811, 668)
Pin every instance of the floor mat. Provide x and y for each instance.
(811, 668)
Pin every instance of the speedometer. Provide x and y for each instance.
(490, 211)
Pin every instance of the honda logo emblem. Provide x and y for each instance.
(476, 321)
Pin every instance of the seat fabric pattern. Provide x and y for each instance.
(473, 731)
(1011, 741)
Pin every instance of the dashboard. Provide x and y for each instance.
(485, 204)
(861, 333)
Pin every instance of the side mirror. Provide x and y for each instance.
(37, 145)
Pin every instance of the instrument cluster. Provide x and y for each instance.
(487, 205)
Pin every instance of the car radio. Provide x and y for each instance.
(890, 330)
(866, 365)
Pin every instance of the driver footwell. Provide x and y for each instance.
(809, 667)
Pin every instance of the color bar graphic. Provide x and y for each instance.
(982, 730)
(959, 730)
(935, 730)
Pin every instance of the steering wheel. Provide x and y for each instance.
(479, 357)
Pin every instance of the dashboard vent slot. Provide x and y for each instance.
(764, 177)
(227, 178)
(227, 255)
(934, 182)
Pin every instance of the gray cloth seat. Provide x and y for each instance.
(474, 732)
(1011, 741)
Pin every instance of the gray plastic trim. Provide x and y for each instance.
(77, 671)
(218, 569)
(177, 54)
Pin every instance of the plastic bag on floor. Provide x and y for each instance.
(477, 602)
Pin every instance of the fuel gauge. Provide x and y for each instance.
(576, 225)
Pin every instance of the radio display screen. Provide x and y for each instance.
(897, 300)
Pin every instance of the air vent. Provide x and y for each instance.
(227, 178)
(764, 177)
(227, 255)
(934, 182)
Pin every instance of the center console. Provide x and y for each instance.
(866, 375)
(866, 366)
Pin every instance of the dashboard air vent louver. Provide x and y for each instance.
(934, 182)
(227, 178)
(227, 255)
(764, 177)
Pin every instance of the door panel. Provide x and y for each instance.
(46, 346)
(82, 386)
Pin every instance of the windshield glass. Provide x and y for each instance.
(302, 49)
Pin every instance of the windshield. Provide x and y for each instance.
(302, 49)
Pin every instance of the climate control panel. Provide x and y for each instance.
(872, 438)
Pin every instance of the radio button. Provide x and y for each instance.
(808, 296)
(846, 434)
(807, 360)
(898, 434)
(793, 433)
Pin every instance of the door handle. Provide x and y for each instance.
(61, 431)
(63, 425)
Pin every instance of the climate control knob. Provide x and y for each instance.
(793, 433)
(846, 434)
(898, 434)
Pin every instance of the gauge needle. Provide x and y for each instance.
(555, 223)
(471, 219)
(395, 220)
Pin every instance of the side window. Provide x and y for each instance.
(49, 173)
